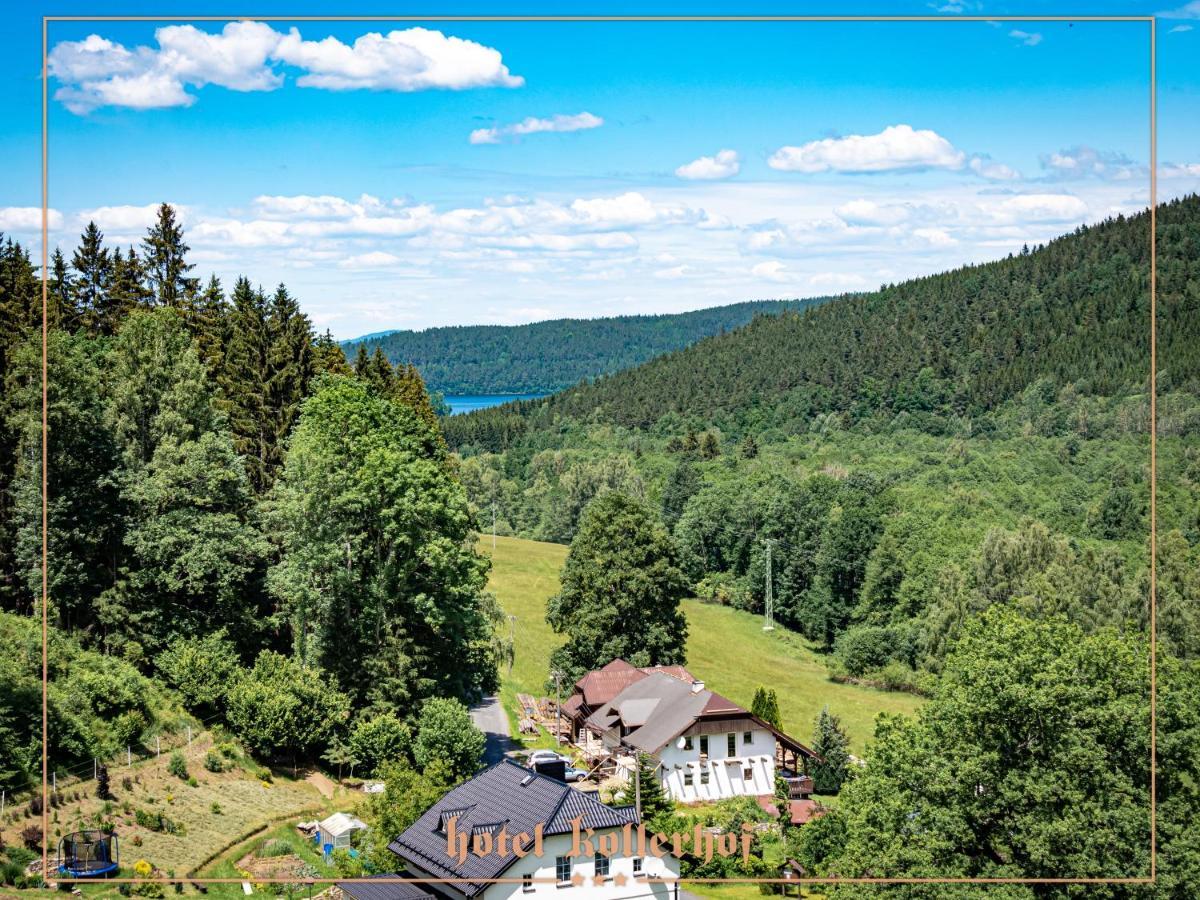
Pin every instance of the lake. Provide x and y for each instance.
(471, 402)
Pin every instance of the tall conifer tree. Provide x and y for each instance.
(244, 378)
(166, 260)
(92, 262)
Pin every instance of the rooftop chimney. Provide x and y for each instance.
(697, 687)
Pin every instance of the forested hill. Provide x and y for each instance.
(960, 343)
(543, 357)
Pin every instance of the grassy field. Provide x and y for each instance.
(726, 647)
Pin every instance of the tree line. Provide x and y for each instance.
(218, 472)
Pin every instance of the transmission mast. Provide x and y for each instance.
(769, 598)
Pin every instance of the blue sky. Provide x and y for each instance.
(408, 174)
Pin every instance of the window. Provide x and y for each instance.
(704, 745)
(527, 883)
(746, 737)
(731, 744)
(637, 866)
(602, 865)
(747, 774)
(704, 776)
(687, 743)
(562, 869)
(687, 779)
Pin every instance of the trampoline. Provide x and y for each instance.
(88, 854)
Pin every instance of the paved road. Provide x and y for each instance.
(490, 718)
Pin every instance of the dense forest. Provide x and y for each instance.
(543, 357)
(941, 350)
(192, 434)
(944, 487)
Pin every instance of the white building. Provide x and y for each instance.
(708, 747)
(516, 812)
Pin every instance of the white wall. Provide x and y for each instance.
(544, 867)
(560, 845)
(724, 779)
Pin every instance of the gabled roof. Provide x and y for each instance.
(603, 684)
(658, 708)
(508, 795)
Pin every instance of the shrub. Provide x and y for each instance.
(201, 668)
(31, 837)
(378, 740)
(214, 762)
(866, 647)
(192, 782)
(280, 707)
(216, 808)
(177, 765)
(127, 783)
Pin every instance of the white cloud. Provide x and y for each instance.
(771, 270)
(124, 219)
(1028, 38)
(1189, 10)
(1054, 208)
(28, 218)
(868, 212)
(373, 260)
(674, 272)
(986, 167)
(709, 168)
(530, 125)
(1179, 170)
(896, 148)
(1179, 29)
(934, 237)
(245, 56)
(415, 59)
(1087, 162)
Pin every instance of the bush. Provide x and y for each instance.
(378, 740)
(280, 707)
(148, 819)
(214, 762)
(177, 765)
(31, 837)
(216, 808)
(724, 588)
(446, 734)
(864, 648)
(200, 668)
(192, 782)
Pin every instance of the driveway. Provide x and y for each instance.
(490, 718)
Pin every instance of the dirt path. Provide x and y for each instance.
(322, 783)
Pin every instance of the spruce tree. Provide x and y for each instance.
(208, 321)
(127, 292)
(243, 381)
(833, 746)
(290, 364)
(166, 260)
(328, 356)
(652, 801)
(62, 311)
(92, 262)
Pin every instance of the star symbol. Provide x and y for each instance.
(577, 879)
(619, 879)
(599, 880)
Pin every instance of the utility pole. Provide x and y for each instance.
(769, 598)
(494, 530)
(512, 640)
(557, 676)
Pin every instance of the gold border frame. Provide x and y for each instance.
(1153, 387)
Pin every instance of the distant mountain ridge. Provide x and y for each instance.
(549, 356)
(954, 345)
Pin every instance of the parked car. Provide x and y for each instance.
(573, 774)
(545, 756)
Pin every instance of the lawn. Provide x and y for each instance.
(726, 647)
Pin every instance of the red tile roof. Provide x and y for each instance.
(802, 811)
(600, 686)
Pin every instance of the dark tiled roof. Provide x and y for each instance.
(507, 794)
(385, 887)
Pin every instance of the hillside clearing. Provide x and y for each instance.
(726, 647)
